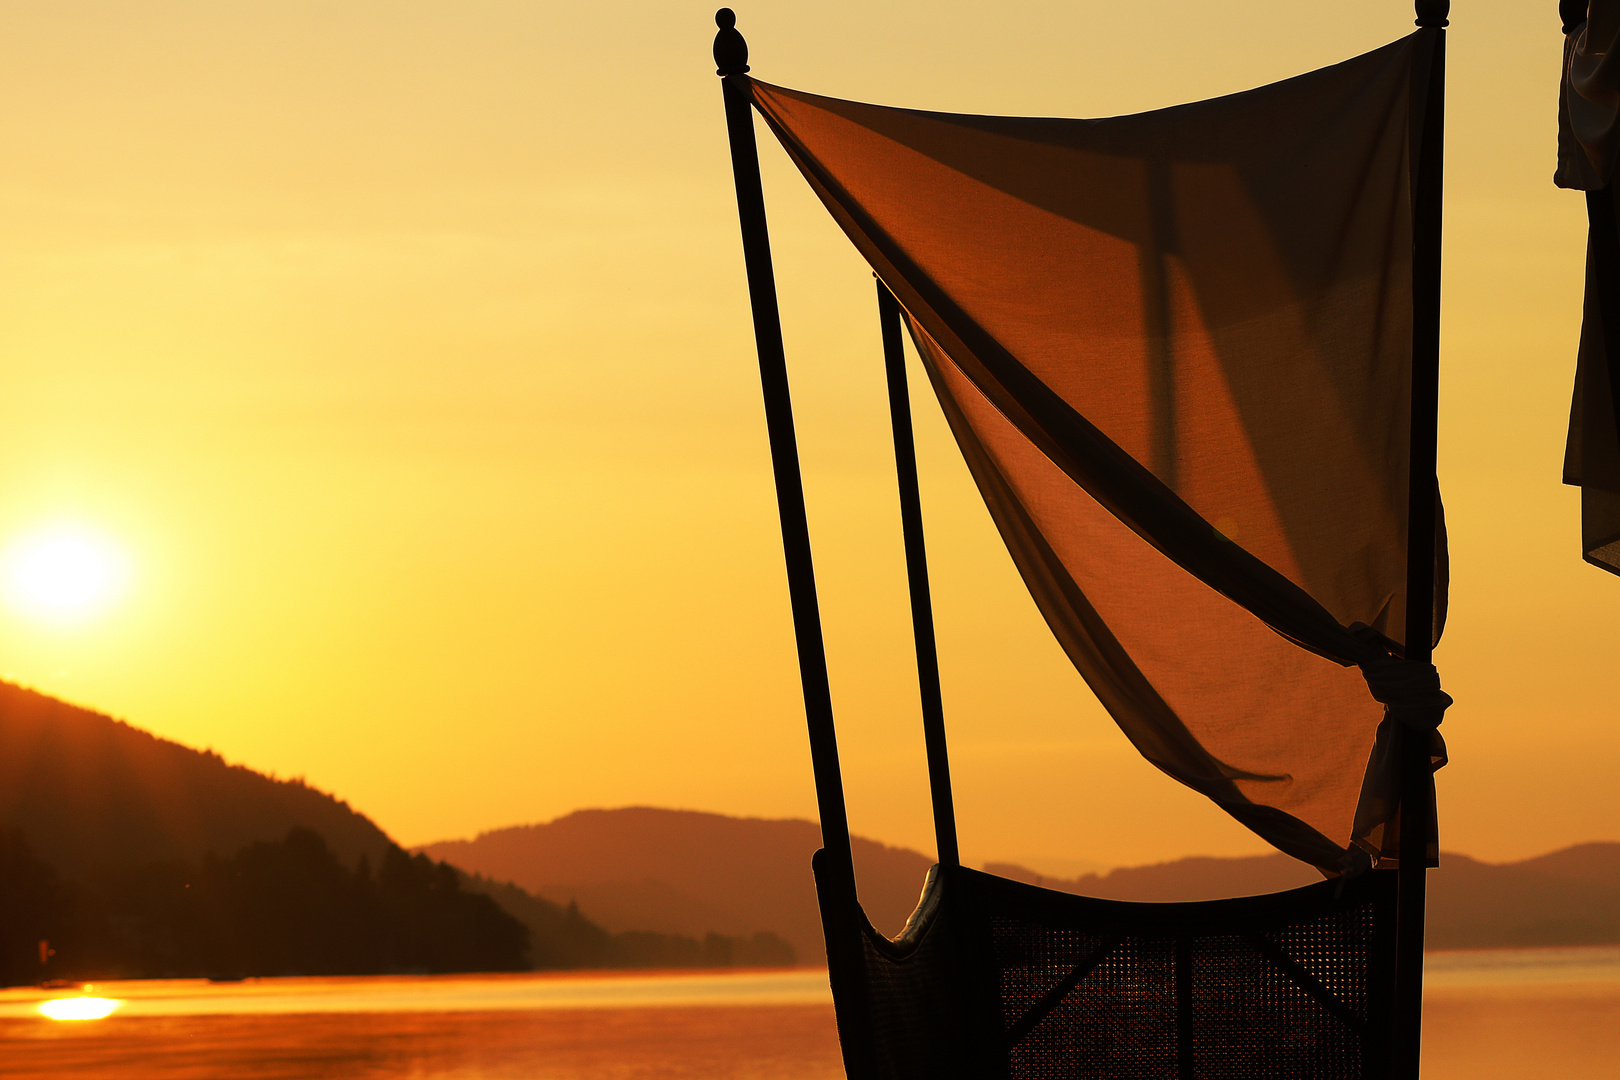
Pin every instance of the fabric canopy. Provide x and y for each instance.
(1175, 349)
(1588, 143)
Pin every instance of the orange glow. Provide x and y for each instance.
(405, 349)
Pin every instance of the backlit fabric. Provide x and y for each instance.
(1175, 350)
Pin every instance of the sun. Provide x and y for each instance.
(62, 573)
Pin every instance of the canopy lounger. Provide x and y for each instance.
(1191, 360)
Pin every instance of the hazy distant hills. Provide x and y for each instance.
(684, 872)
(1570, 897)
(687, 872)
(87, 791)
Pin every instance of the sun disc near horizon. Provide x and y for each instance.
(62, 574)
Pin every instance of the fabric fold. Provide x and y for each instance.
(1175, 350)
(1588, 143)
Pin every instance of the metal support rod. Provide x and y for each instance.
(833, 865)
(922, 605)
(1417, 774)
(731, 58)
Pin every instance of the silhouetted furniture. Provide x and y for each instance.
(1191, 360)
(996, 978)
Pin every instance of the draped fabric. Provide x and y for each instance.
(1588, 144)
(1589, 101)
(1175, 349)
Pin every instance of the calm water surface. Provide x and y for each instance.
(1489, 1015)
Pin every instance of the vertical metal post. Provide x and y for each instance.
(833, 865)
(731, 59)
(1417, 775)
(922, 605)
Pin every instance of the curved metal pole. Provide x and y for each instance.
(1417, 773)
(833, 865)
(731, 59)
(922, 605)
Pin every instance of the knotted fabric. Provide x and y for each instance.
(1409, 690)
(1410, 693)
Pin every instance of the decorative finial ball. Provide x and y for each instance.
(730, 50)
(1433, 12)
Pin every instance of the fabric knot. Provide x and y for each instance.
(1409, 690)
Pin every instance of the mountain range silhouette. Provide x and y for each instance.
(682, 871)
(88, 793)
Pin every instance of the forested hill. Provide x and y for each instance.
(123, 855)
(287, 907)
(88, 791)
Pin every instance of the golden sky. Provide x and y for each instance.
(402, 350)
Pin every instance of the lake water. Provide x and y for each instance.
(1489, 1015)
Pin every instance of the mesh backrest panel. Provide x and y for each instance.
(1017, 982)
(917, 1012)
(1249, 1019)
(1118, 1021)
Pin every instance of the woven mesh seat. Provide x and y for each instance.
(994, 978)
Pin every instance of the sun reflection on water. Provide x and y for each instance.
(79, 1008)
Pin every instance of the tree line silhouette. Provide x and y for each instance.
(561, 937)
(287, 907)
(292, 907)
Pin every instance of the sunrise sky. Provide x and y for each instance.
(390, 362)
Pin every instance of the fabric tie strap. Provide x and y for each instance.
(1409, 690)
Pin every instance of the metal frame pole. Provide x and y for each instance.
(922, 606)
(1417, 773)
(731, 59)
(833, 866)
